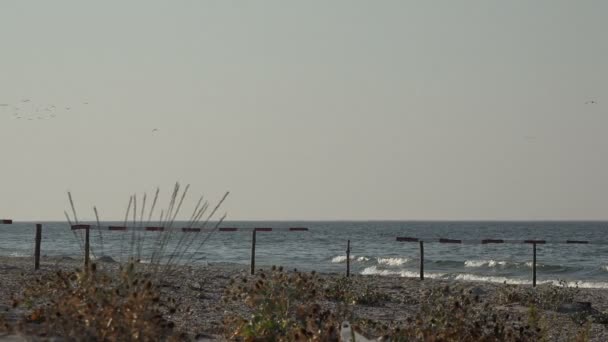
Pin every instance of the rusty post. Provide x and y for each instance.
(253, 251)
(421, 260)
(534, 264)
(86, 249)
(348, 258)
(37, 246)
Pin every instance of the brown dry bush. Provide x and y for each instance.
(93, 305)
(290, 307)
(284, 308)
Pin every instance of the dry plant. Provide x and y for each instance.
(158, 251)
(284, 308)
(93, 305)
(120, 302)
(293, 306)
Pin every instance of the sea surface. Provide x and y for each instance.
(374, 250)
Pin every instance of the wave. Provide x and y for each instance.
(373, 270)
(19, 254)
(342, 258)
(393, 261)
(514, 281)
(512, 264)
(486, 263)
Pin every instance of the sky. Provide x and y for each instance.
(307, 110)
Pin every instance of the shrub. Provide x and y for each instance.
(284, 308)
(92, 305)
(546, 296)
(344, 290)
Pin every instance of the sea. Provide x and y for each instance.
(373, 245)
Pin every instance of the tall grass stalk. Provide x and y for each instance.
(163, 250)
(99, 230)
(125, 224)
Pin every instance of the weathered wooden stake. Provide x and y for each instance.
(534, 264)
(421, 260)
(37, 246)
(348, 258)
(86, 248)
(253, 251)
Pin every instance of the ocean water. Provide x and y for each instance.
(374, 250)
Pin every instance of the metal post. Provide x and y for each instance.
(253, 251)
(37, 246)
(534, 264)
(86, 248)
(348, 258)
(421, 260)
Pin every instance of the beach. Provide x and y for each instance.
(201, 289)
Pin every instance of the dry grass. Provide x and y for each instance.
(294, 306)
(92, 305)
(124, 304)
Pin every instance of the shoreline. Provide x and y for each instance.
(202, 287)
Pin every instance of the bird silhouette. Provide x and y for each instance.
(591, 102)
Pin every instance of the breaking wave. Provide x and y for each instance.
(373, 270)
(342, 258)
(393, 261)
(486, 263)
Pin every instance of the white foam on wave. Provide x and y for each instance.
(18, 254)
(491, 279)
(505, 280)
(487, 263)
(342, 258)
(497, 263)
(373, 270)
(393, 261)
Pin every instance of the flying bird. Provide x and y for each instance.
(591, 102)
(155, 130)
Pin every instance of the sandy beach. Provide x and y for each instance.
(200, 291)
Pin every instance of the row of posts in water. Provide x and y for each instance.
(87, 257)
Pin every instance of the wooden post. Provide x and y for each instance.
(37, 246)
(348, 259)
(421, 260)
(253, 251)
(534, 264)
(86, 249)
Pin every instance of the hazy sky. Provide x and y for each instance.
(308, 109)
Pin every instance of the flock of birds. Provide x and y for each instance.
(29, 111)
(26, 110)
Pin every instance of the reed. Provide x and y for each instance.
(163, 249)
